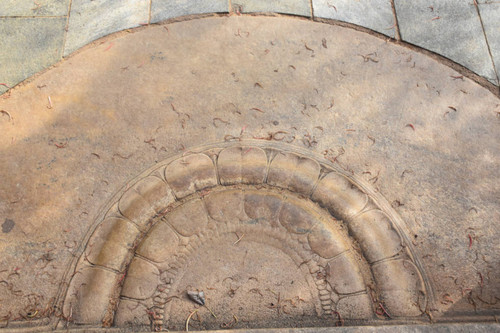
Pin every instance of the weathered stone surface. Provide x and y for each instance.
(111, 242)
(344, 275)
(165, 9)
(134, 207)
(155, 191)
(326, 241)
(189, 218)
(372, 14)
(376, 235)
(397, 275)
(131, 313)
(88, 296)
(296, 218)
(225, 206)
(293, 172)
(28, 45)
(87, 22)
(262, 208)
(141, 280)
(160, 243)
(438, 172)
(31, 8)
(295, 7)
(190, 174)
(490, 12)
(339, 196)
(356, 307)
(246, 165)
(401, 287)
(434, 26)
(403, 303)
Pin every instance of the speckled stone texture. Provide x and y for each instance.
(364, 172)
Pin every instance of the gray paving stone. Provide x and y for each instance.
(165, 9)
(448, 27)
(373, 14)
(28, 45)
(90, 20)
(295, 7)
(490, 14)
(30, 8)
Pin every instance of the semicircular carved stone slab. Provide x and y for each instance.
(167, 231)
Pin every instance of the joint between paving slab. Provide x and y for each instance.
(396, 23)
(32, 16)
(487, 43)
(149, 14)
(66, 28)
(312, 9)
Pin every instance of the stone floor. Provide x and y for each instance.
(298, 173)
(36, 34)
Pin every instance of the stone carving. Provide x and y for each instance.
(345, 253)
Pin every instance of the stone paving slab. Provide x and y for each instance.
(295, 7)
(34, 8)
(490, 14)
(373, 14)
(450, 28)
(27, 46)
(90, 20)
(165, 9)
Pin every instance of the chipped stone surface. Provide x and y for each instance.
(372, 14)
